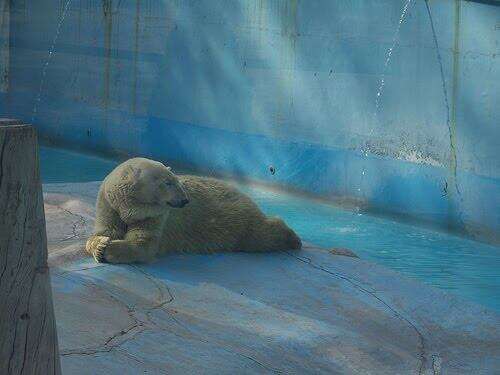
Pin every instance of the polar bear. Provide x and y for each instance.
(145, 210)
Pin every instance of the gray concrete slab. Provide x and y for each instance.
(298, 313)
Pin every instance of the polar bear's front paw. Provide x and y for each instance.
(96, 246)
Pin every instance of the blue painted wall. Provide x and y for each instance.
(392, 105)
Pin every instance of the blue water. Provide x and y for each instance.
(59, 166)
(467, 268)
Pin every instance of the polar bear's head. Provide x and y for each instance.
(153, 183)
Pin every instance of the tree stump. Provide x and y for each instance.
(28, 338)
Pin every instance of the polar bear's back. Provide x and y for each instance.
(217, 218)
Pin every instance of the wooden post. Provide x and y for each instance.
(28, 338)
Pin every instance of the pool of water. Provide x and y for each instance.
(467, 268)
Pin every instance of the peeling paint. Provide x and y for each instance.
(417, 152)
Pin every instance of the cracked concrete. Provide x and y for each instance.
(306, 312)
(422, 349)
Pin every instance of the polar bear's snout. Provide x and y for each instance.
(180, 198)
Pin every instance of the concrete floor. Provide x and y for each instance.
(298, 313)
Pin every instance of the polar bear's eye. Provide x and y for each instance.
(168, 183)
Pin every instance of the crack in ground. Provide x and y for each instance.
(112, 342)
(81, 221)
(65, 272)
(139, 326)
(161, 306)
(138, 360)
(198, 337)
(162, 301)
(422, 353)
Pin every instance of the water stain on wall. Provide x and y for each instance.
(107, 7)
(136, 54)
(4, 44)
(287, 14)
(455, 196)
(455, 83)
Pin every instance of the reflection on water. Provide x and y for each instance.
(468, 268)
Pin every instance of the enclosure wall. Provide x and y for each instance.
(4, 52)
(390, 104)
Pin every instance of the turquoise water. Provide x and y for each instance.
(467, 268)
(66, 166)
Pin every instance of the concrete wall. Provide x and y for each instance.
(4, 50)
(396, 110)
